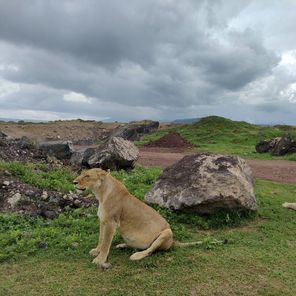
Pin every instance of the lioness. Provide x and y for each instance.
(140, 226)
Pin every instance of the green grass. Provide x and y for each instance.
(220, 135)
(50, 257)
(40, 175)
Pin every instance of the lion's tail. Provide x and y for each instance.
(182, 245)
(289, 205)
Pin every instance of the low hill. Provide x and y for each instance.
(222, 135)
(186, 121)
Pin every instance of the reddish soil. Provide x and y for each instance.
(171, 140)
(274, 170)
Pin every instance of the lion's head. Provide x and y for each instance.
(90, 179)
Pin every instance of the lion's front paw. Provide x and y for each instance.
(94, 252)
(102, 265)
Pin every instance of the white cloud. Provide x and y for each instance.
(44, 115)
(75, 97)
(7, 88)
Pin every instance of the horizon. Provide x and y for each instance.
(26, 120)
(162, 60)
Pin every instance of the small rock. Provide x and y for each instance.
(77, 202)
(75, 245)
(29, 193)
(44, 195)
(14, 199)
(7, 173)
(6, 183)
(43, 245)
(49, 214)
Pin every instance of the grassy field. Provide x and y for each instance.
(221, 135)
(50, 257)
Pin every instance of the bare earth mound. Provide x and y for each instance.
(171, 140)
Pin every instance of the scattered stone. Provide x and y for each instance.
(205, 183)
(6, 183)
(44, 195)
(26, 143)
(14, 199)
(43, 245)
(49, 214)
(2, 135)
(19, 150)
(54, 162)
(77, 202)
(29, 193)
(7, 173)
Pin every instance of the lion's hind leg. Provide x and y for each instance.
(163, 242)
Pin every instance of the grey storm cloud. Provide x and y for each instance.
(133, 59)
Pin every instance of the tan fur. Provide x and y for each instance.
(289, 205)
(140, 226)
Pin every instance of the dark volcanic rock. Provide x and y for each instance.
(2, 135)
(277, 146)
(263, 146)
(205, 183)
(60, 149)
(135, 130)
(26, 143)
(283, 146)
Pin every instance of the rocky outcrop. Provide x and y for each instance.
(19, 150)
(116, 154)
(2, 135)
(266, 145)
(284, 146)
(17, 196)
(59, 149)
(205, 183)
(278, 146)
(135, 130)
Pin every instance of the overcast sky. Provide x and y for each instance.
(153, 59)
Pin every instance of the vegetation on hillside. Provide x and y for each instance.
(220, 135)
(41, 175)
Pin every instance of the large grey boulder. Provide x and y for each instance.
(205, 183)
(60, 149)
(136, 129)
(116, 154)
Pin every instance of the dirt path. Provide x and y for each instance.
(274, 170)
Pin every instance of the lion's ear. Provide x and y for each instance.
(101, 175)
